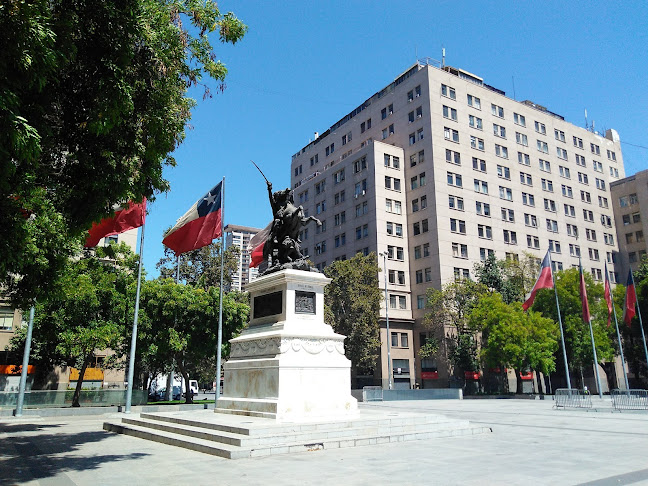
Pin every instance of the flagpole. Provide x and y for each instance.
(643, 335)
(25, 364)
(131, 361)
(589, 321)
(616, 324)
(562, 333)
(220, 304)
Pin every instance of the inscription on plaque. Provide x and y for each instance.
(268, 304)
(304, 302)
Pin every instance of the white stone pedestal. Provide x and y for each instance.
(288, 364)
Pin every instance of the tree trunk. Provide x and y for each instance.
(185, 378)
(518, 379)
(77, 390)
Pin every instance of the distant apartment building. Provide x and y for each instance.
(630, 202)
(438, 170)
(240, 237)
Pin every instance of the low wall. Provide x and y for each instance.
(63, 398)
(415, 394)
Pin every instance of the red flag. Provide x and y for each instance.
(583, 296)
(198, 226)
(257, 242)
(545, 281)
(123, 220)
(608, 295)
(630, 300)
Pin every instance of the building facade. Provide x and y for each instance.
(240, 237)
(436, 171)
(630, 201)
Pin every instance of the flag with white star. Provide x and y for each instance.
(198, 226)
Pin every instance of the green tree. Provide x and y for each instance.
(513, 278)
(352, 306)
(577, 335)
(93, 102)
(513, 338)
(451, 307)
(180, 324)
(88, 311)
(633, 347)
(201, 267)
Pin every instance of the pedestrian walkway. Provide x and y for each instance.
(531, 443)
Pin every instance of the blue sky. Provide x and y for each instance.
(303, 65)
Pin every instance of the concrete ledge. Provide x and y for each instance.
(81, 411)
(425, 394)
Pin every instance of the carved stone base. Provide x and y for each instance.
(290, 365)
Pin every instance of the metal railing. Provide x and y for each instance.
(573, 398)
(372, 394)
(630, 399)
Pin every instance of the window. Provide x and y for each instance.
(636, 217)
(533, 242)
(588, 215)
(540, 128)
(385, 112)
(595, 149)
(6, 318)
(419, 135)
(522, 139)
(303, 196)
(590, 234)
(320, 187)
(510, 237)
(457, 226)
(501, 151)
(459, 250)
(479, 164)
(497, 110)
(338, 176)
(582, 178)
(526, 179)
(347, 138)
(600, 183)
(593, 254)
(606, 221)
(530, 220)
(461, 273)
(339, 197)
(455, 202)
(580, 160)
(552, 225)
(426, 250)
(416, 227)
(499, 131)
(586, 197)
(505, 193)
(395, 252)
(320, 248)
(519, 119)
(320, 207)
(474, 102)
(556, 266)
(574, 250)
(524, 159)
(485, 253)
(614, 172)
(570, 210)
(475, 122)
(448, 112)
(567, 191)
(340, 240)
(420, 301)
(559, 135)
(550, 205)
(314, 159)
(546, 185)
(545, 165)
(508, 215)
(390, 161)
(477, 143)
(450, 134)
(542, 146)
(454, 179)
(554, 246)
(578, 142)
(388, 131)
(453, 157)
(480, 186)
(561, 153)
(482, 208)
(603, 202)
(611, 155)
(503, 172)
(564, 172)
(340, 218)
(484, 231)
(448, 91)
(390, 183)
(330, 149)
(528, 199)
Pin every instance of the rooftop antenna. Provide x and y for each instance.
(586, 125)
(442, 57)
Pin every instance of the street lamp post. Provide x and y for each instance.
(389, 363)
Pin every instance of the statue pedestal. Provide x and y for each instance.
(288, 364)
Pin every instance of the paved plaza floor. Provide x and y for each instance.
(531, 443)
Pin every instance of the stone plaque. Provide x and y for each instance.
(304, 302)
(268, 304)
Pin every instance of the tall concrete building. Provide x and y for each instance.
(436, 171)
(630, 202)
(240, 237)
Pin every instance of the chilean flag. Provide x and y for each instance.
(583, 295)
(200, 225)
(545, 281)
(630, 300)
(257, 242)
(125, 219)
(608, 295)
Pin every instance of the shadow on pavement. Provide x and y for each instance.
(38, 456)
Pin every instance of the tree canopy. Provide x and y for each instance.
(93, 101)
(352, 302)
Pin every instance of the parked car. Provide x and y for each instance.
(161, 394)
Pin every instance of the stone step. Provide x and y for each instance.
(203, 437)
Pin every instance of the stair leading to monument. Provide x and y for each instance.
(235, 437)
